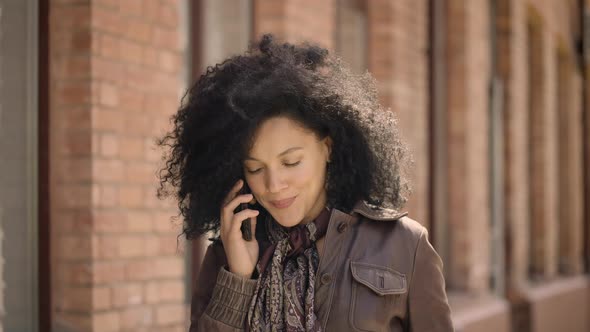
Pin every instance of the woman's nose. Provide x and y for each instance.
(275, 182)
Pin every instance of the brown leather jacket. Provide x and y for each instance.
(378, 272)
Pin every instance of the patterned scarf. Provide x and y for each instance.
(284, 296)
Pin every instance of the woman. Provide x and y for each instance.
(325, 171)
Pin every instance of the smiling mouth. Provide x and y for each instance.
(283, 203)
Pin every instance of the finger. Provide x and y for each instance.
(253, 223)
(233, 192)
(234, 203)
(225, 215)
(241, 216)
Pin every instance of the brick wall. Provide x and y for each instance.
(296, 21)
(533, 160)
(468, 65)
(398, 59)
(511, 53)
(115, 78)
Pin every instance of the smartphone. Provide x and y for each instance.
(246, 227)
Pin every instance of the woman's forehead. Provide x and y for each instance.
(281, 135)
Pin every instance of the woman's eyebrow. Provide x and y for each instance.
(289, 150)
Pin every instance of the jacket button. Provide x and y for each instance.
(342, 227)
(326, 278)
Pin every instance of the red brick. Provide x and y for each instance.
(131, 246)
(168, 15)
(75, 273)
(105, 321)
(75, 170)
(138, 30)
(109, 95)
(135, 317)
(152, 292)
(152, 152)
(169, 267)
(140, 269)
(105, 195)
(169, 314)
(169, 61)
(73, 195)
(105, 247)
(108, 221)
(109, 45)
(106, 20)
(101, 298)
(150, 56)
(107, 120)
(72, 17)
(131, 99)
(139, 221)
(127, 295)
(74, 221)
(131, 148)
(131, 52)
(138, 123)
(73, 92)
(76, 144)
(131, 7)
(171, 291)
(169, 244)
(76, 298)
(166, 38)
(130, 196)
(108, 272)
(151, 10)
(109, 145)
(107, 70)
(164, 222)
(73, 67)
(108, 170)
(76, 118)
(74, 247)
(76, 321)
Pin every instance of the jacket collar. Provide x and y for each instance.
(375, 212)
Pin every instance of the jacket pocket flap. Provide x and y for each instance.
(380, 279)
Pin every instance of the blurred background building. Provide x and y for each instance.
(492, 95)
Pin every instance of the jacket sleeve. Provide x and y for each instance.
(428, 305)
(220, 299)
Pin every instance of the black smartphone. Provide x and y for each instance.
(246, 227)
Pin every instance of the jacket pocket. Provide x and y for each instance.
(376, 292)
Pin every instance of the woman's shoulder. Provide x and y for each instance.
(391, 217)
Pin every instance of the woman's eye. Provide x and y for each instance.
(254, 171)
(292, 164)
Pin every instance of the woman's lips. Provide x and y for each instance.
(283, 203)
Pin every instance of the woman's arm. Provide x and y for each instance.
(220, 299)
(428, 305)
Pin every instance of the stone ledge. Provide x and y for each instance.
(560, 305)
(481, 313)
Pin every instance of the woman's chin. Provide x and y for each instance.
(284, 220)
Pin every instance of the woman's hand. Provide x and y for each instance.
(242, 255)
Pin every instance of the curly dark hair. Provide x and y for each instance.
(214, 128)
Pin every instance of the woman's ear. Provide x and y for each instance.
(327, 141)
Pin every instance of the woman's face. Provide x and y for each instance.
(286, 170)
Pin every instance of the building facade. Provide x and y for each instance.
(492, 96)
